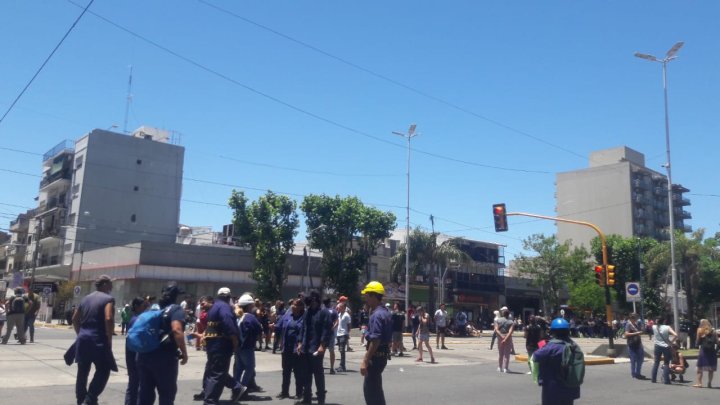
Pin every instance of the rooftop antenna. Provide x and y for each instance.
(128, 101)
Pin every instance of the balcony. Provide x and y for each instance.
(681, 214)
(687, 228)
(679, 200)
(64, 146)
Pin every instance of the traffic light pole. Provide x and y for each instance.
(608, 304)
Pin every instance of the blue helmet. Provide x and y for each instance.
(559, 323)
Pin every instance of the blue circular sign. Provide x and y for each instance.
(633, 289)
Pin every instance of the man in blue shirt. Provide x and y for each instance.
(379, 336)
(549, 359)
(249, 329)
(289, 330)
(221, 340)
(317, 330)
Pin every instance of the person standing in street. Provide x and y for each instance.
(549, 360)
(125, 315)
(494, 335)
(33, 307)
(415, 324)
(661, 339)
(440, 319)
(221, 341)
(250, 330)
(16, 307)
(3, 315)
(289, 329)
(504, 328)
(343, 333)
(633, 335)
(158, 370)
(532, 338)
(316, 338)
(398, 322)
(131, 393)
(334, 319)
(94, 321)
(706, 338)
(423, 334)
(379, 336)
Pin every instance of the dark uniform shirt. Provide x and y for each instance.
(317, 329)
(290, 329)
(249, 329)
(549, 358)
(220, 327)
(380, 326)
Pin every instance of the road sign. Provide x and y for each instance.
(46, 291)
(77, 290)
(632, 291)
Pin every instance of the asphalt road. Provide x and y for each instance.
(466, 374)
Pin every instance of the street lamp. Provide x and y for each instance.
(410, 134)
(308, 256)
(670, 55)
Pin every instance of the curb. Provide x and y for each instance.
(593, 361)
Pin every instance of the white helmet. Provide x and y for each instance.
(246, 299)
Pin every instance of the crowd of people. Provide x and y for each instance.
(19, 312)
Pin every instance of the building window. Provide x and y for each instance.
(132, 218)
(78, 162)
(136, 188)
(139, 161)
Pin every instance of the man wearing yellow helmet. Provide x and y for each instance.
(379, 335)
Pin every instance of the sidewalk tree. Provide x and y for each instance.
(427, 258)
(268, 227)
(347, 232)
(552, 267)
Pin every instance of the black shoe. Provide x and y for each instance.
(256, 388)
(445, 348)
(282, 395)
(237, 393)
(303, 402)
(641, 377)
(341, 370)
(332, 371)
(199, 397)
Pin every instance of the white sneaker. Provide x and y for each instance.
(499, 370)
(529, 372)
(505, 371)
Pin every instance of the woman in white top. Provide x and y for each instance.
(661, 338)
(343, 332)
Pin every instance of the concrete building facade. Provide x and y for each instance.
(620, 195)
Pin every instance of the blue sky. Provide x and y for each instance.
(528, 86)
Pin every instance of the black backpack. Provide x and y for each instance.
(709, 341)
(17, 306)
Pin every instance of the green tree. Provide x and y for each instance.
(553, 266)
(427, 258)
(347, 232)
(268, 227)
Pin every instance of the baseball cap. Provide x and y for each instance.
(342, 298)
(503, 308)
(172, 289)
(224, 291)
(103, 279)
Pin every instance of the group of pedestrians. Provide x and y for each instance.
(667, 349)
(19, 312)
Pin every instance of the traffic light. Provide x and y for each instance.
(610, 274)
(599, 276)
(500, 217)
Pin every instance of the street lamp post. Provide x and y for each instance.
(668, 57)
(410, 134)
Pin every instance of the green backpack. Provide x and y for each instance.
(572, 364)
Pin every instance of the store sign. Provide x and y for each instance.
(470, 299)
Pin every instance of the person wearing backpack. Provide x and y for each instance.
(158, 369)
(15, 309)
(560, 366)
(131, 393)
(31, 312)
(707, 356)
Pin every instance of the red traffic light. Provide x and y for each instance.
(598, 269)
(500, 217)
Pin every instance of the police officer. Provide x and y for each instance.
(549, 359)
(379, 336)
(158, 370)
(221, 340)
(316, 335)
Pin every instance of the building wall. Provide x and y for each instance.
(125, 190)
(599, 195)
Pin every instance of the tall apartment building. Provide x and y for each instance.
(620, 195)
(105, 189)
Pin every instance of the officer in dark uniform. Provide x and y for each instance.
(379, 336)
(158, 370)
(221, 340)
(549, 359)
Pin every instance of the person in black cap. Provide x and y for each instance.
(93, 322)
(159, 369)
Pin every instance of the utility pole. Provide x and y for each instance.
(410, 134)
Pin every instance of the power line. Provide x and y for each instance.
(295, 107)
(46, 61)
(391, 80)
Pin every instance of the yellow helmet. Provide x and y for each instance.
(374, 287)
